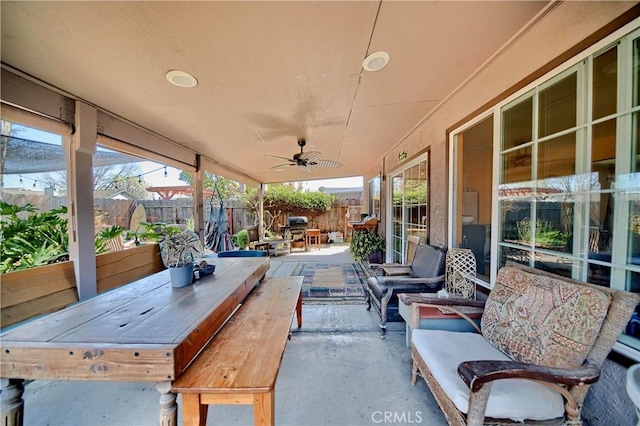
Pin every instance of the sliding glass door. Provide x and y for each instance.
(408, 206)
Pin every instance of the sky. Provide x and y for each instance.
(152, 173)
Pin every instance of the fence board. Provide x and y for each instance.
(180, 211)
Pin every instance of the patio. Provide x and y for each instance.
(335, 370)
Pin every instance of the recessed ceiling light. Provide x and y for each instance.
(376, 61)
(181, 79)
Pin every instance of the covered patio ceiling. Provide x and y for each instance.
(268, 72)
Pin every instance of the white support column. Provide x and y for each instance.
(261, 210)
(80, 147)
(198, 209)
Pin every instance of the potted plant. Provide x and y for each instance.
(367, 245)
(241, 239)
(179, 251)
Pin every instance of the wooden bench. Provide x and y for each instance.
(240, 365)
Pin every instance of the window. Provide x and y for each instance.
(569, 173)
(374, 196)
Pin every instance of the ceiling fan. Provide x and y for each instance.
(307, 160)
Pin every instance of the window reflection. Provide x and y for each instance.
(517, 124)
(509, 254)
(603, 152)
(557, 106)
(557, 157)
(516, 166)
(605, 83)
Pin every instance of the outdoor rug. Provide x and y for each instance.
(332, 282)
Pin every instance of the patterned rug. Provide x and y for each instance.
(332, 283)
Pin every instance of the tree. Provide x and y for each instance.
(288, 197)
(222, 187)
(119, 176)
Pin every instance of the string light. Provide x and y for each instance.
(35, 182)
(118, 179)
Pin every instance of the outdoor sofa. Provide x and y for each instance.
(542, 342)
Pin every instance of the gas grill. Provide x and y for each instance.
(296, 229)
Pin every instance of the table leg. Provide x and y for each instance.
(264, 409)
(12, 402)
(168, 405)
(299, 310)
(194, 413)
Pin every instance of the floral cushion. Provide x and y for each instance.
(542, 320)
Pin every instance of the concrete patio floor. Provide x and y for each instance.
(335, 371)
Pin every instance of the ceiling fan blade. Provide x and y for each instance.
(309, 168)
(310, 156)
(329, 163)
(282, 165)
(279, 158)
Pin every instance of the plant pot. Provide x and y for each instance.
(181, 276)
(376, 257)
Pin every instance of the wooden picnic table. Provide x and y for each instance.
(146, 331)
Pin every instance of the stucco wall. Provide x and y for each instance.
(555, 31)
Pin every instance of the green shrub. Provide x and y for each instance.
(241, 239)
(39, 238)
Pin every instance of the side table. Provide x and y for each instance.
(431, 318)
(313, 237)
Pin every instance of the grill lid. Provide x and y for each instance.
(300, 221)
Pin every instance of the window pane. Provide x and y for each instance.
(633, 281)
(635, 134)
(633, 249)
(397, 202)
(517, 124)
(554, 224)
(374, 196)
(556, 264)
(557, 107)
(516, 215)
(601, 225)
(636, 72)
(557, 157)
(605, 78)
(599, 274)
(603, 153)
(508, 254)
(516, 166)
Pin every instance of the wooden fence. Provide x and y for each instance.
(180, 211)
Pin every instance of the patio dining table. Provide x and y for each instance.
(146, 331)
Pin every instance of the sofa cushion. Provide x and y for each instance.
(542, 320)
(515, 399)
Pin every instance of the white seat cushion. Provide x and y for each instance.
(515, 399)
